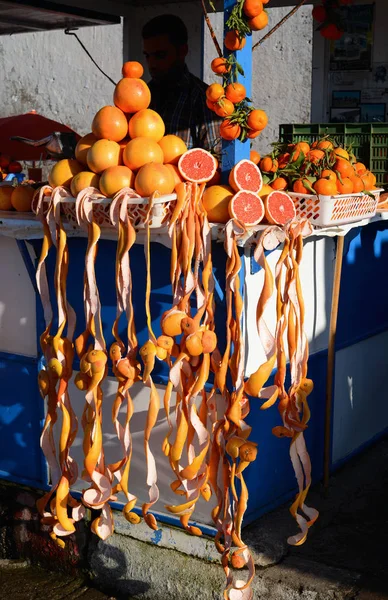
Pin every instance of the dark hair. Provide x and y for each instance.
(170, 25)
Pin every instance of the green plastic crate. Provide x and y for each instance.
(369, 141)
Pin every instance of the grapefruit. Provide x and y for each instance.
(154, 177)
(197, 165)
(83, 146)
(246, 176)
(215, 201)
(265, 190)
(132, 68)
(5, 197)
(246, 207)
(132, 95)
(173, 147)
(22, 197)
(83, 180)
(140, 151)
(279, 208)
(175, 173)
(110, 123)
(146, 123)
(102, 155)
(114, 179)
(63, 172)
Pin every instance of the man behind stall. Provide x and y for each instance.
(177, 95)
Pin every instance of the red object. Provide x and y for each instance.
(32, 126)
(15, 167)
(331, 32)
(319, 13)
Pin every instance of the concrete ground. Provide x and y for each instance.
(344, 558)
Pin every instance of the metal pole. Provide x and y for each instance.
(331, 359)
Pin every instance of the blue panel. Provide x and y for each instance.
(364, 293)
(271, 478)
(234, 151)
(20, 419)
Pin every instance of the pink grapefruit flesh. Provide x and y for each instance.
(279, 208)
(197, 165)
(247, 208)
(246, 176)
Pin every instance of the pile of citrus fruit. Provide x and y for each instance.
(323, 168)
(17, 198)
(127, 146)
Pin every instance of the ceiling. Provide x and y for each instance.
(21, 16)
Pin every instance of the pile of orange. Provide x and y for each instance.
(322, 168)
(127, 146)
(16, 198)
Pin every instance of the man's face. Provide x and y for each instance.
(162, 56)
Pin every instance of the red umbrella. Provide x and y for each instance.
(31, 126)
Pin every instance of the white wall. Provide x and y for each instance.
(17, 302)
(50, 72)
(282, 68)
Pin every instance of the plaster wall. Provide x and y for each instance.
(49, 72)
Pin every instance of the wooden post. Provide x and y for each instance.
(235, 150)
(331, 359)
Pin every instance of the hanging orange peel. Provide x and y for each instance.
(207, 444)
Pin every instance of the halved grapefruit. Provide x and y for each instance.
(279, 208)
(247, 208)
(197, 165)
(246, 176)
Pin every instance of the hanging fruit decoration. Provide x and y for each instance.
(332, 24)
(229, 100)
(207, 444)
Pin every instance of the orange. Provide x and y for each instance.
(173, 147)
(229, 131)
(214, 92)
(224, 108)
(210, 104)
(114, 179)
(358, 184)
(154, 177)
(233, 41)
(83, 180)
(252, 8)
(63, 172)
(253, 134)
(341, 152)
(343, 167)
(258, 23)
(103, 154)
(315, 156)
(257, 120)
(254, 157)
(216, 179)
(132, 68)
(146, 123)
(216, 200)
(329, 174)
(280, 183)
(325, 187)
(5, 197)
(302, 147)
(83, 146)
(220, 66)
(369, 180)
(175, 173)
(235, 92)
(283, 160)
(299, 187)
(269, 165)
(21, 198)
(325, 145)
(141, 151)
(132, 95)
(346, 187)
(110, 123)
(360, 168)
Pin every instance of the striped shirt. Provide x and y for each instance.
(182, 106)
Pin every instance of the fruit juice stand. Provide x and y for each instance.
(245, 289)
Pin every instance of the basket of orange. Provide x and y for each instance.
(326, 182)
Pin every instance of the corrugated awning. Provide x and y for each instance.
(23, 16)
